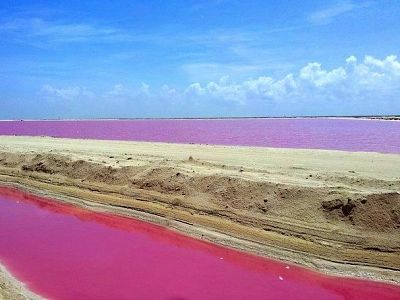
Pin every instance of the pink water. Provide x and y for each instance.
(319, 133)
(63, 252)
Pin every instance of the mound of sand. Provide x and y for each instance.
(377, 212)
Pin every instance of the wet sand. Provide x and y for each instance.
(10, 288)
(334, 211)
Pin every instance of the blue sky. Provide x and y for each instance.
(91, 59)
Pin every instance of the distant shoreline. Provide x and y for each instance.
(366, 117)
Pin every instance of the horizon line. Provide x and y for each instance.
(394, 116)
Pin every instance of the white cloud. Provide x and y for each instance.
(355, 81)
(315, 75)
(42, 30)
(117, 90)
(214, 71)
(351, 60)
(389, 64)
(195, 89)
(327, 15)
(145, 89)
(168, 91)
(69, 93)
(370, 80)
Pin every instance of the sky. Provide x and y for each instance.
(216, 58)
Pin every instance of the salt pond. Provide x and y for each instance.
(65, 252)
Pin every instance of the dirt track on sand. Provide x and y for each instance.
(338, 212)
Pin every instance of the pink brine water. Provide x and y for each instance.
(62, 252)
(319, 133)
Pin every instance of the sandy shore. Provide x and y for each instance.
(337, 212)
(12, 289)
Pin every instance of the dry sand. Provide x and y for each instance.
(335, 211)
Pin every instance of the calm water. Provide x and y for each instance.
(62, 252)
(319, 133)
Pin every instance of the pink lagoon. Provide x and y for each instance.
(309, 133)
(64, 252)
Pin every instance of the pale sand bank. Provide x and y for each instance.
(12, 289)
(335, 211)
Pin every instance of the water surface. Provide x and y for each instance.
(64, 252)
(316, 133)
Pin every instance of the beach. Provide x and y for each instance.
(333, 211)
(11, 288)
